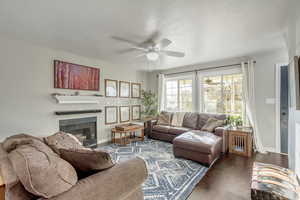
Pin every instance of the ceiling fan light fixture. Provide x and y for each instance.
(152, 55)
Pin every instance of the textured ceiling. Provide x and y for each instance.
(205, 30)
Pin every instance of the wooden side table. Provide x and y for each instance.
(126, 136)
(240, 141)
(2, 188)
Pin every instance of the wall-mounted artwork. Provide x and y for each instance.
(111, 115)
(124, 114)
(136, 112)
(111, 88)
(124, 88)
(74, 76)
(135, 90)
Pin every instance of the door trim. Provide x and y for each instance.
(277, 105)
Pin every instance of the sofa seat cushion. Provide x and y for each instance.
(86, 160)
(161, 128)
(41, 171)
(198, 141)
(177, 130)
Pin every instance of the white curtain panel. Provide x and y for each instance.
(249, 98)
(161, 92)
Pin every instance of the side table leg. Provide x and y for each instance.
(142, 134)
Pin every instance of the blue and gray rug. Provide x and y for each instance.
(169, 178)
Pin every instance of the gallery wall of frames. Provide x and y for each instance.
(122, 113)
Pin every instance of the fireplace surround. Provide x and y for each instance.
(85, 129)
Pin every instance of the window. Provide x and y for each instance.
(179, 95)
(222, 94)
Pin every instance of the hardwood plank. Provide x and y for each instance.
(230, 177)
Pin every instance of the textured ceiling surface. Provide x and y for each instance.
(205, 30)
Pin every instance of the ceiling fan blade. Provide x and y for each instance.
(125, 40)
(141, 55)
(139, 48)
(174, 53)
(123, 51)
(164, 43)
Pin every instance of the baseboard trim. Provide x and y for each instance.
(270, 149)
(103, 142)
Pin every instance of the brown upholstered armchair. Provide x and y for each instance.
(123, 181)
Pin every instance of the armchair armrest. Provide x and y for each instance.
(115, 183)
(222, 132)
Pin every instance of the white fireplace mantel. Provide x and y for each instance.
(69, 99)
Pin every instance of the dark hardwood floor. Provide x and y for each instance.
(230, 177)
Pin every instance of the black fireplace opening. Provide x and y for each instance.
(85, 129)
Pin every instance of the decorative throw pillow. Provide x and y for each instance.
(42, 173)
(177, 119)
(86, 160)
(62, 140)
(164, 118)
(12, 142)
(211, 124)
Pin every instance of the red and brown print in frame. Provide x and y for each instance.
(74, 76)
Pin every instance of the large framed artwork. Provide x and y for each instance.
(111, 88)
(136, 112)
(124, 89)
(135, 90)
(124, 113)
(76, 77)
(111, 115)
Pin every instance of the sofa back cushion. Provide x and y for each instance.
(190, 120)
(41, 171)
(164, 118)
(203, 117)
(177, 119)
(12, 142)
(62, 140)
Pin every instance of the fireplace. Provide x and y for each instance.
(85, 129)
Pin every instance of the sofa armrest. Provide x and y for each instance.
(115, 183)
(222, 132)
(151, 124)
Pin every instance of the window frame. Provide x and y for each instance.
(178, 79)
(221, 73)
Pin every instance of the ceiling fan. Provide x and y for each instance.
(150, 49)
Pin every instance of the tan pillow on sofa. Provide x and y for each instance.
(164, 118)
(211, 124)
(87, 160)
(62, 140)
(42, 172)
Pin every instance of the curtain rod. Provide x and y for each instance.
(217, 67)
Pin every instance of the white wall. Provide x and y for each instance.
(26, 82)
(265, 88)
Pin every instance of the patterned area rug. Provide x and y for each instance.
(169, 178)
